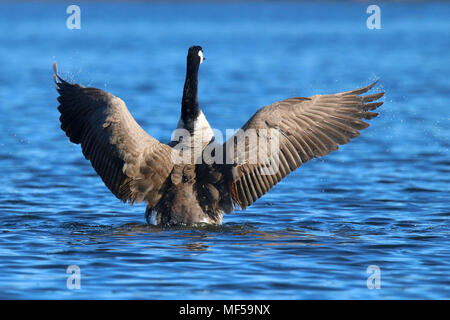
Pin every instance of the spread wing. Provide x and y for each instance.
(308, 128)
(132, 164)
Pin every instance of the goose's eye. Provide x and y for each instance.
(200, 54)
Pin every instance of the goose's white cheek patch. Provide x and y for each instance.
(200, 54)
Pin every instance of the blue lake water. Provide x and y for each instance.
(383, 199)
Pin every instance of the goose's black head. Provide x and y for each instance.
(190, 109)
(195, 56)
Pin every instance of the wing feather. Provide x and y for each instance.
(309, 128)
(132, 164)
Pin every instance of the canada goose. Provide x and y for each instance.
(136, 167)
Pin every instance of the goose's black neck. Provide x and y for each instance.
(189, 104)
